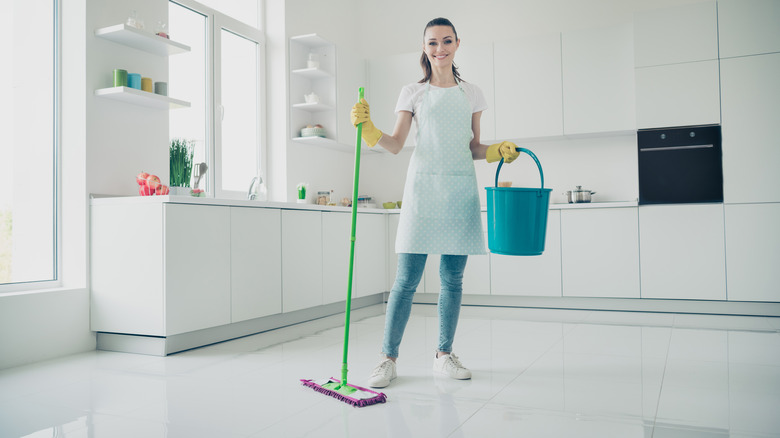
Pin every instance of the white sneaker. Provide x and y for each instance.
(383, 374)
(450, 366)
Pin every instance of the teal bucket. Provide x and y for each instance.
(517, 217)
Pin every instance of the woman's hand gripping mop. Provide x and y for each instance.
(340, 389)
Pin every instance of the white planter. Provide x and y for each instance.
(180, 191)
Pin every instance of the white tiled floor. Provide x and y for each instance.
(537, 373)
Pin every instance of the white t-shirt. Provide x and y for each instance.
(411, 96)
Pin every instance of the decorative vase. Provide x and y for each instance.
(180, 191)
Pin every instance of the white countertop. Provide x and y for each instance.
(128, 200)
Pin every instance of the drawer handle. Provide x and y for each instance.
(674, 148)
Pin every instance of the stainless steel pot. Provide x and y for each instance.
(578, 195)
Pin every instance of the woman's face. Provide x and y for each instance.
(440, 44)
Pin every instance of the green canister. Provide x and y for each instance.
(120, 78)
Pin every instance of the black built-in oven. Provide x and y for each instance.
(680, 165)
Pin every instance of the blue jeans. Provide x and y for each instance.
(399, 304)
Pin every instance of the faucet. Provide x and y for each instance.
(251, 193)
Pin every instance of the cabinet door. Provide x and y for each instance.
(531, 276)
(753, 252)
(678, 95)
(197, 267)
(255, 262)
(370, 249)
(387, 75)
(475, 65)
(751, 108)
(528, 87)
(598, 80)
(600, 252)
(476, 276)
(301, 259)
(392, 257)
(682, 252)
(683, 33)
(336, 229)
(748, 27)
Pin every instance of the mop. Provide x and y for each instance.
(340, 389)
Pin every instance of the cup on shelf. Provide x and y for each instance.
(134, 80)
(311, 98)
(120, 77)
(146, 84)
(161, 88)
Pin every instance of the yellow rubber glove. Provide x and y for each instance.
(506, 150)
(360, 114)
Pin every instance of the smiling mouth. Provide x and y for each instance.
(439, 56)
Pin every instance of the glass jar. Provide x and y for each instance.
(323, 198)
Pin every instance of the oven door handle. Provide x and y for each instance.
(676, 148)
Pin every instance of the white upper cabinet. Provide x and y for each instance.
(528, 87)
(598, 80)
(751, 109)
(387, 75)
(475, 65)
(681, 34)
(748, 27)
(678, 95)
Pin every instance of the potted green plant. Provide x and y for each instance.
(181, 166)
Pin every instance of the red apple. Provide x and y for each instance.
(153, 181)
(141, 178)
(145, 190)
(162, 190)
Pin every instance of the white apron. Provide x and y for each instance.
(441, 213)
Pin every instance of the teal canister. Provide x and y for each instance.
(134, 81)
(120, 77)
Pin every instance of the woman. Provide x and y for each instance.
(441, 212)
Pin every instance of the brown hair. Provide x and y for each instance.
(425, 63)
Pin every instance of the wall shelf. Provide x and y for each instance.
(328, 143)
(313, 107)
(311, 73)
(143, 98)
(142, 40)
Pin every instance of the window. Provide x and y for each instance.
(223, 77)
(28, 152)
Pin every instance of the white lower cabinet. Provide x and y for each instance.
(531, 276)
(255, 263)
(370, 263)
(682, 251)
(600, 252)
(197, 267)
(753, 251)
(301, 259)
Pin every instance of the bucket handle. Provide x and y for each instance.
(519, 149)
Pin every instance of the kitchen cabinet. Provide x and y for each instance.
(678, 95)
(752, 251)
(370, 266)
(196, 298)
(255, 263)
(528, 87)
(159, 269)
(531, 276)
(476, 276)
(600, 252)
(320, 80)
(387, 76)
(682, 250)
(748, 27)
(598, 80)
(475, 65)
(680, 34)
(302, 269)
(147, 42)
(751, 108)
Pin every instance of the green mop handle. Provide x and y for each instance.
(352, 246)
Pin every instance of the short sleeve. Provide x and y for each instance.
(477, 98)
(406, 99)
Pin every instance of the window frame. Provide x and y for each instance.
(215, 23)
(56, 282)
